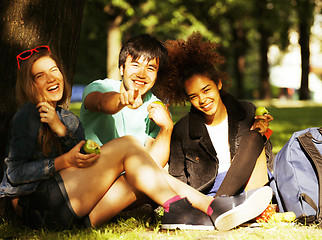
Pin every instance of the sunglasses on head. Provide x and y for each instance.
(28, 53)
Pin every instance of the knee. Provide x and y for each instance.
(128, 139)
(130, 142)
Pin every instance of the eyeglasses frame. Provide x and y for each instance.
(31, 51)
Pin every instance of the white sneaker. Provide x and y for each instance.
(230, 212)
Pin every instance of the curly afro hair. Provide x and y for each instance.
(186, 59)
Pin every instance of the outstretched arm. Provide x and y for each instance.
(108, 102)
(112, 102)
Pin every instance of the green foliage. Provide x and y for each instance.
(235, 24)
(91, 62)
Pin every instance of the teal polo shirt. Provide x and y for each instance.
(103, 128)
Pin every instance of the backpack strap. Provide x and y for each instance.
(311, 150)
(309, 200)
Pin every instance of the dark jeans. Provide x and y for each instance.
(242, 166)
(49, 207)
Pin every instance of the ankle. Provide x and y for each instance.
(210, 210)
(166, 205)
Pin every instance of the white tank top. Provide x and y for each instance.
(219, 138)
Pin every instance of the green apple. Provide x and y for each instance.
(91, 146)
(261, 111)
(159, 102)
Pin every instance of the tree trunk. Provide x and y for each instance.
(265, 90)
(114, 43)
(304, 41)
(25, 24)
(239, 60)
(264, 32)
(305, 10)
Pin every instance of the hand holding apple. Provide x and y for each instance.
(261, 111)
(160, 114)
(76, 157)
(262, 119)
(159, 102)
(91, 146)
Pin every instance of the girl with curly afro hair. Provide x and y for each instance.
(219, 147)
(185, 59)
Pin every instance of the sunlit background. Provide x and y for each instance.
(285, 67)
(241, 27)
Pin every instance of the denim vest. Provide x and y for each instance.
(26, 165)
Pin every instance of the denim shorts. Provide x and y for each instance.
(49, 207)
(220, 177)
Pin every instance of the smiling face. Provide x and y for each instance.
(139, 74)
(48, 79)
(204, 95)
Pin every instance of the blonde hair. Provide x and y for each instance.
(27, 90)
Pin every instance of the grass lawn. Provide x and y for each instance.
(288, 117)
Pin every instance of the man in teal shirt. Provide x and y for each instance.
(99, 126)
(114, 108)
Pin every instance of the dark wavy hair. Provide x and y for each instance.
(194, 56)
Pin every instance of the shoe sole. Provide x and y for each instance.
(186, 227)
(251, 208)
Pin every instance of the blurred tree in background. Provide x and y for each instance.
(245, 30)
(305, 15)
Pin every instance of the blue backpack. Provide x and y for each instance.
(297, 173)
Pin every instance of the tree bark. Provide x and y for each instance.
(265, 90)
(25, 24)
(304, 41)
(114, 44)
(264, 32)
(239, 47)
(305, 10)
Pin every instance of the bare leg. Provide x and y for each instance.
(197, 199)
(122, 194)
(86, 187)
(259, 175)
